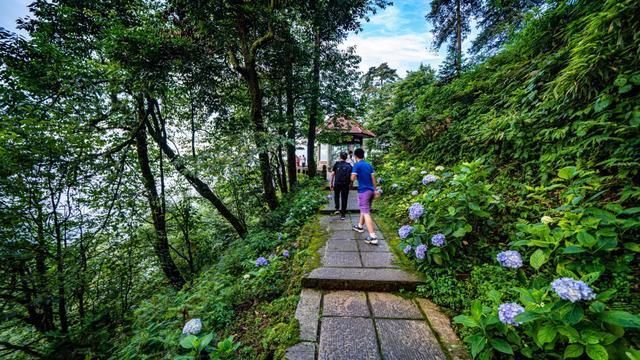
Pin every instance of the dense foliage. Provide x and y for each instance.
(515, 185)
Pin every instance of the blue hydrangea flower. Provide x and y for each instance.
(510, 259)
(285, 253)
(192, 327)
(438, 240)
(261, 261)
(415, 211)
(429, 179)
(407, 249)
(507, 313)
(405, 231)
(379, 180)
(421, 251)
(414, 193)
(572, 290)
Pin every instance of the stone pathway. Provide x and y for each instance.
(346, 310)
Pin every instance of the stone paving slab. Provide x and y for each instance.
(348, 339)
(360, 279)
(341, 245)
(408, 339)
(377, 260)
(301, 351)
(345, 303)
(381, 247)
(352, 203)
(385, 305)
(307, 314)
(342, 259)
(441, 325)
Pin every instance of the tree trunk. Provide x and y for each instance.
(315, 100)
(291, 120)
(255, 93)
(62, 297)
(161, 243)
(458, 54)
(200, 186)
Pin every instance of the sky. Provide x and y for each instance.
(398, 35)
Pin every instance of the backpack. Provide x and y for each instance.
(343, 173)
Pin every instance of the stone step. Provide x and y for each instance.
(363, 279)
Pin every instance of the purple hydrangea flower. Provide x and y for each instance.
(572, 290)
(192, 327)
(407, 249)
(420, 251)
(415, 211)
(510, 259)
(438, 240)
(285, 253)
(261, 261)
(507, 313)
(429, 179)
(404, 231)
(414, 193)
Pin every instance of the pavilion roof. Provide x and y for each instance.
(346, 125)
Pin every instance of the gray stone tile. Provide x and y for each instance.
(343, 234)
(379, 234)
(386, 305)
(341, 225)
(341, 259)
(307, 313)
(341, 245)
(381, 247)
(345, 303)
(408, 339)
(378, 259)
(301, 351)
(348, 339)
(441, 324)
(370, 279)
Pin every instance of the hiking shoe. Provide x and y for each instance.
(371, 240)
(336, 212)
(358, 229)
(342, 217)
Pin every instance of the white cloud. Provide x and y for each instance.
(402, 52)
(388, 19)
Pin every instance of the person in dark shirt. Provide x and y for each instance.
(340, 182)
(363, 171)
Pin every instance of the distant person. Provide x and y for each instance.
(297, 161)
(339, 183)
(350, 160)
(304, 161)
(363, 172)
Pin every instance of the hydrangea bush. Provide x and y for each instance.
(561, 260)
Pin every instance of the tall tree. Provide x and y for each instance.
(451, 23)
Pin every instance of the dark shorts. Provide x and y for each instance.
(364, 201)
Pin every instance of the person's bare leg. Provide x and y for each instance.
(369, 221)
(361, 221)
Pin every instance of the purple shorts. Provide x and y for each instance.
(364, 201)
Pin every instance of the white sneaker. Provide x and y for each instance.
(371, 240)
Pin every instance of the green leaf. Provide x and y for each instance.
(478, 342)
(573, 249)
(188, 342)
(567, 173)
(573, 351)
(606, 295)
(574, 315)
(620, 81)
(586, 239)
(597, 307)
(538, 258)
(526, 317)
(632, 246)
(547, 334)
(602, 103)
(571, 333)
(466, 321)
(205, 341)
(620, 318)
(625, 89)
(502, 346)
(597, 352)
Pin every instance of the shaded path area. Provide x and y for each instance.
(347, 310)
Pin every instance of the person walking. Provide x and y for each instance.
(364, 173)
(339, 183)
